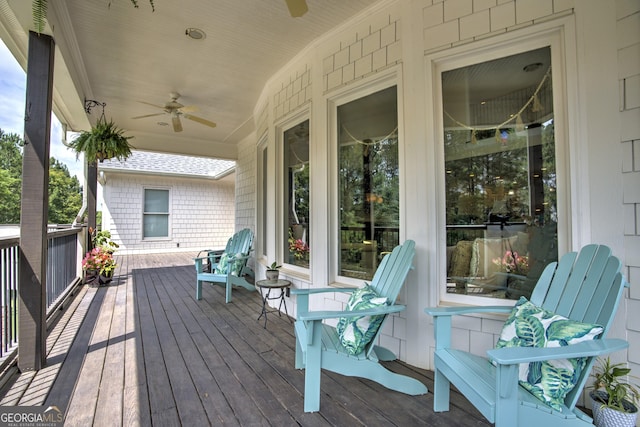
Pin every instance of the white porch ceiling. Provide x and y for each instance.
(111, 52)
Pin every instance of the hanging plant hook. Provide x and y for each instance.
(91, 103)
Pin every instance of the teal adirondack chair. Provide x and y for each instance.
(240, 246)
(584, 287)
(318, 346)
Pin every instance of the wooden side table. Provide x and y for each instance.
(270, 285)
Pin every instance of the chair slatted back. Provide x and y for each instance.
(392, 271)
(390, 277)
(241, 242)
(585, 287)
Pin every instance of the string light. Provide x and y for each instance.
(536, 106)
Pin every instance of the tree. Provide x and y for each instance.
(10, 177)
(65, 193)
(65, 197)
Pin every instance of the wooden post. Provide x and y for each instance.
(91, 189)
(34, 212)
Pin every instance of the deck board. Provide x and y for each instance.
(142, 351)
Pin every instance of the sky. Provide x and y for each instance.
(12, 98)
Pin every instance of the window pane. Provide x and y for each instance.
(156, 201)
(156, 213)
(264, 206)
(368, 182)
(500, 167)
(296, 181)
(156, 225)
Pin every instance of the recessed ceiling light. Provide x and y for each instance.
(195, 33)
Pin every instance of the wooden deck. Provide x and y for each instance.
(142, 351)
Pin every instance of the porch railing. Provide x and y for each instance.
(62, 273)
(9, 253)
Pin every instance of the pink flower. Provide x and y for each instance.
(511, 262)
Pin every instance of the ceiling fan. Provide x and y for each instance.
(176, 110)
(297, 8)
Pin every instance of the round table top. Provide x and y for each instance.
(280, 283)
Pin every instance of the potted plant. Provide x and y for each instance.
(99, 264)
(615, 402)
(273, 271)
(103, 238)
(103, 141)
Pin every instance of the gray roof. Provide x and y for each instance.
(170, 164)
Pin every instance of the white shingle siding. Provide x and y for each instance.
(293, 91)
(366, 48)
(628, 41)
(202, 212)
(449, 23)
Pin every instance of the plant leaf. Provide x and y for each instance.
(39, 12)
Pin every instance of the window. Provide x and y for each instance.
(368, 182)
(296, 183)
(500, 174)
(155, 222)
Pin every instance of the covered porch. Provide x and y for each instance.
(143, 351)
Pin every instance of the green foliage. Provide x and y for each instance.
(65, 194)
(274, 266)
(11, 148)
(102, 239)
(9, 198)
(39, 12)
(10, 177)
(103, 141)
(608, 377)
(65, 198)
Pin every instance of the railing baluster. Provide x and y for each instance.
(62, 267)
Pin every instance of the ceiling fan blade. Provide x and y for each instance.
(297, 8)
(200, 120)
(153, 105)
(188, 109)
(147, 115)
(177, 125)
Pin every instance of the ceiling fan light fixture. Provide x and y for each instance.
(195, 33)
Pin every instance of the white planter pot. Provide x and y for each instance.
(607, 417)
(272, 274)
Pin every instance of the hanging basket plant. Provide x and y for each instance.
(103, 141)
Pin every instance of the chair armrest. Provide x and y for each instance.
(442, 319)
(514, 355)
(454, 311)
(299, 291)
(322, 315)
(302, 296)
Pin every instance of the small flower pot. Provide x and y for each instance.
(272, 274)
(105, 279)
(607, 417)
(90, 277)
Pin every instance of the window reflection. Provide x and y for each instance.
(368, 189)
(296, 161)
(501, 207)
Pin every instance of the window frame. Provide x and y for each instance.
(552, 36)
(168, 213)
(384, 80)
(262, 162)
(280, 128)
